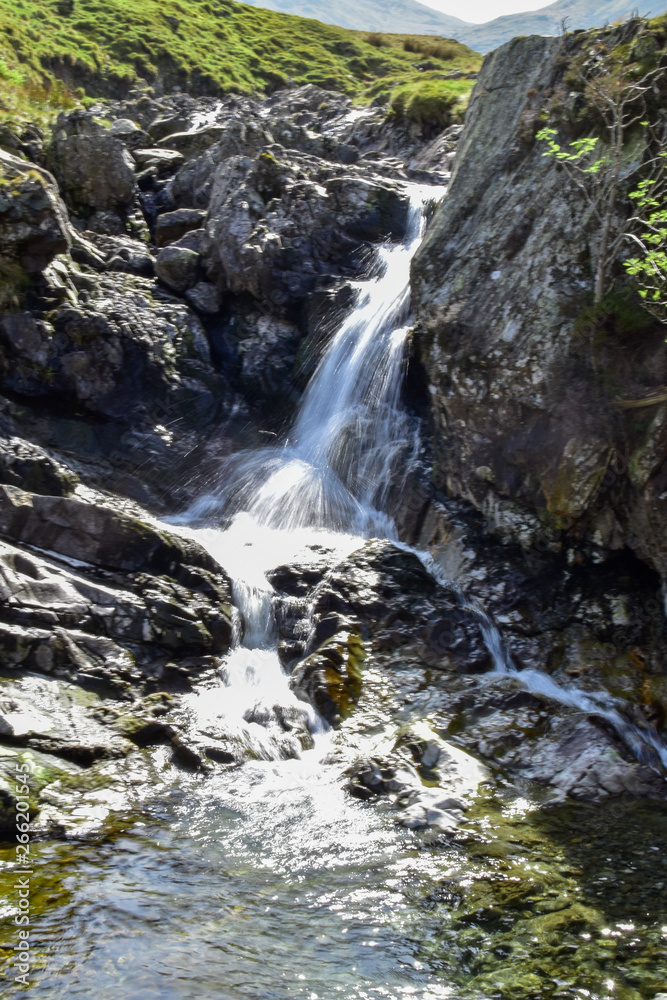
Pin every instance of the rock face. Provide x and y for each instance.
(136, 592)
(388, 645)
(528, 385)
(33, 224)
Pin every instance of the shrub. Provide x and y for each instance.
(445, 50)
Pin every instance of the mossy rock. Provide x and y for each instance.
(331, 677)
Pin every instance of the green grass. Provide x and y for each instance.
(432, 103)
(54, 53)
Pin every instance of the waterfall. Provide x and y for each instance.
(325, 488)
(351, 440)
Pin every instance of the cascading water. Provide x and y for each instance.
(351, 437)
(327, 486)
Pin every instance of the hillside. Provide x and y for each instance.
(410, 16)
(58, 51)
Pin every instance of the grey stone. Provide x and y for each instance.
(164, 159)
(94, 170)
(204, 297)
(170, 226)
(193, 143)
(177, 267)
(33, 219)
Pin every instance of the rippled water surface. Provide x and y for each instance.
(264, 886)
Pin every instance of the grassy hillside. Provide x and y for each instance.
(54, 53)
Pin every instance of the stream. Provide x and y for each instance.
(268, 880)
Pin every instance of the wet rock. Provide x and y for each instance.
(331, 677)
(109, 600)
(54, 716)
(93, 534)
(401, 605)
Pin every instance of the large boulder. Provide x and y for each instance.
(93, 168)
(33, 223)
(544, 417)
(280, 221)
(138, 593)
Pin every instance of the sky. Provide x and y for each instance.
(483, 10)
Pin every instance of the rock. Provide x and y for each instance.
(54, 716)
(401, 605)
(33, 223)
(93, 534)
(193, 143)
(177, 267)
(515, 361)
(94, 170)
(32, 469)
(172, 225)
(161, 127)
(279, 222)
(204, 297)
(27, 337)
(164, 160)
(122, 253)
(109, 598)
(268, 349)
(122, 351)
(123, 127)
(195, 239)
(192, 184)
(330, 678)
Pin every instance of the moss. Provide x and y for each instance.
(13, 283)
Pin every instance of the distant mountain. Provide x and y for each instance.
(547, 21)
(403, 17)
(411, 17)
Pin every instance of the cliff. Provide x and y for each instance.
(549, 416)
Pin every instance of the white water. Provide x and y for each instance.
(324, 490)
